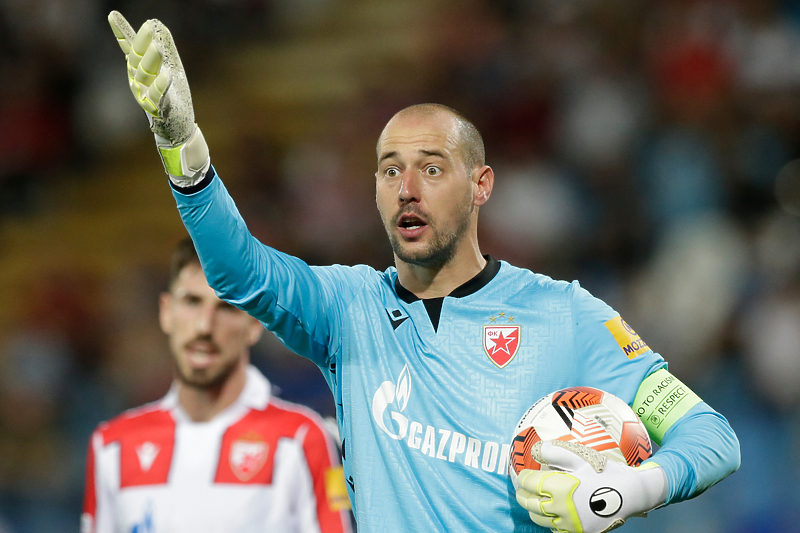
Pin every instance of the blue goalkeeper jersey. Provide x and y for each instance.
(428, 392)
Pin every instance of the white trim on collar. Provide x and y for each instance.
(255, 395)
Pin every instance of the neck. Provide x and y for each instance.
(203, 404)
(436, 282)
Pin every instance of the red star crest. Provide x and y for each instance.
(248, 455)
(501, 343)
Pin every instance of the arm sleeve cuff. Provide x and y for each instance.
(197, 187)
(698, 452)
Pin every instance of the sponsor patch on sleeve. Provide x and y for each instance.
(336, 489)
(631, 343)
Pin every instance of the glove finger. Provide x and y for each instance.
(531, 480)
(149, 66)
(567, 455)
(529, 501)
(161, 82)
(140, 43)
(176, 105)
(122, 31)
(533, 505)
(522, 498)
(148, 104)
(543, 521)
(143, 97)
(154, 94)
(165, 43)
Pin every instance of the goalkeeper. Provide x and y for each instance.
(432, 362)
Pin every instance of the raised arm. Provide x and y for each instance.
(292, 299)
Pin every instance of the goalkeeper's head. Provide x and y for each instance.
(432, 178)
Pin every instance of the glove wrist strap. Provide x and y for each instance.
(186, 164)
(654, 486)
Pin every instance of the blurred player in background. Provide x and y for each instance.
(218, 452)
(433, 361)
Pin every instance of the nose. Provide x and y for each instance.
(204, 321)
(409, 187)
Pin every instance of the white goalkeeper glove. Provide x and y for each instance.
(159, 83)
(579, 490)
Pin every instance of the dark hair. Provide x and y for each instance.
(183, 255)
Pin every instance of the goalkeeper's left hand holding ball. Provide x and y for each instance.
(159, 84)
(585, 492)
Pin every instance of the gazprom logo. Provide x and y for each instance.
(389, 394)
(388, 404)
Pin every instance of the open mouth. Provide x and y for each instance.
(411, 225)
(411, 222)
(201, 354)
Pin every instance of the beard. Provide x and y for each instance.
(443, 244)
(205, 378)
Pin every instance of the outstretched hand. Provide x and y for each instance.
(158, 82)
(156, 77)
(579, 490)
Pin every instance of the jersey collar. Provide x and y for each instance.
(255, 395)
(472, 286)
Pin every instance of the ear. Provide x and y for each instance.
(483, 178)
(256, 330)
(164, 316)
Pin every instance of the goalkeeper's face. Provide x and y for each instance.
(423, 189)
(210, 339)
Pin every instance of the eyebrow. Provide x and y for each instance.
(184, 294)
(433, 153)
(429, 153)
(387, 155)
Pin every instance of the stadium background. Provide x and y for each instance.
(638, 147)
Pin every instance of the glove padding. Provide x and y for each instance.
(580, 490)
(158, 82)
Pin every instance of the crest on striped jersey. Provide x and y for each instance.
(248, 456)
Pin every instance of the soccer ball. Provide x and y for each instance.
(591, 417)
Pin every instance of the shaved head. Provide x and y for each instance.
(470, 142)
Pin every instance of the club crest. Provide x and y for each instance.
(247, 456)
(501, 343)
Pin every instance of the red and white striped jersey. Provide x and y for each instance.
(261, 465)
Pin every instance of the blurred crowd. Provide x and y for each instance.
(647, 148)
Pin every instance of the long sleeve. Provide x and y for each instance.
(698, 451)
(700, 448)
(96, 517)
(89, 494)
(330, 495)
(299, 303)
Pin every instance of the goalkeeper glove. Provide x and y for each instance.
(159, 84)
(582, 491)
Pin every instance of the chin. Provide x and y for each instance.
(437, 251)
(198, 378)
(207, 378)
(425, 257)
